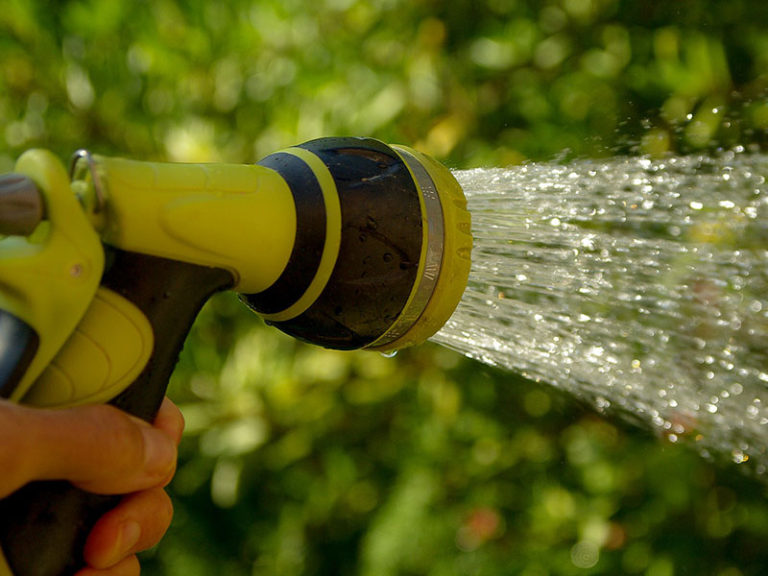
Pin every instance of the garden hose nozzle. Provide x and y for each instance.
(342, 242)
(382, 248)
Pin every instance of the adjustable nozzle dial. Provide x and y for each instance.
(370, 242)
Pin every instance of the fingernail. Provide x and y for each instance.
(159, 452)
(128, 537)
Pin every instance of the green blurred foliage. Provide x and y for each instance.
(300, 461)
(491, 82)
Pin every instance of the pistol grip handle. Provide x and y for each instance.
(44, 526)
(170, 293)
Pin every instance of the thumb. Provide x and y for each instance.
(98, 448)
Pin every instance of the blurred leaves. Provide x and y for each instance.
(299, 461)
(495, 82)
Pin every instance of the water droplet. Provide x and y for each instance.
(739, 457)
(588, 242)
(602, 403)
(389, 353)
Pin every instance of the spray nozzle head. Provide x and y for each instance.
(381, 256)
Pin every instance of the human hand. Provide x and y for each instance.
(103, 450)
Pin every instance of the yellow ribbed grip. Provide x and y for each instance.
(103, 356)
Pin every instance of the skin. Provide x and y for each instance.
(99, 449)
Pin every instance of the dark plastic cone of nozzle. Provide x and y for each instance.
(385, 243)
(381, 236)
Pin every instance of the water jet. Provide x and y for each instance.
(639, 285)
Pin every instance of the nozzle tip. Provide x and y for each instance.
(447, 280)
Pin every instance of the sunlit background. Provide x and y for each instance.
(301, 461)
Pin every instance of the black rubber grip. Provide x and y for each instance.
(18, 346)
(310, 235)
(44, 526)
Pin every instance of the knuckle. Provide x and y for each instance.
(165, 509)
(120, 438)
(125, 435)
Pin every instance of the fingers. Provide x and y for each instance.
(136, 524)
(127, 567)
(106, 451)
(103, 450)
(98, 448)
(170, 420)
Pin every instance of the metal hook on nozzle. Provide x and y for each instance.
(91, 165)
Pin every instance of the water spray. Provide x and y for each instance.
(638, 285)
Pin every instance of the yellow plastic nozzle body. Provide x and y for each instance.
(48, 279)
(241, 218)
(238, 217)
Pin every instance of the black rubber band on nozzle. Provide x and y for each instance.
(381, 243)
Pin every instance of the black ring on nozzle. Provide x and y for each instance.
(310, 235)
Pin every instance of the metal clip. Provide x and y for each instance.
(91, 164)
